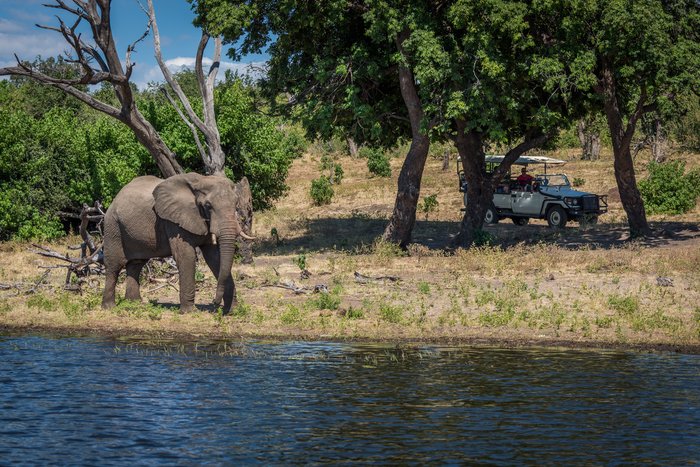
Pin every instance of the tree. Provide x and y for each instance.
(339, 79)
(486, 76)
(102, 64)
(642, 55)
(377, 69)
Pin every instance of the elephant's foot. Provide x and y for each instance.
(187, 308)
(134, 297)
(107, 304)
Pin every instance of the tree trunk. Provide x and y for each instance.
(403, 218)
(590, 141)
(446, 160)
(479, 187)
(150, 139)
(352, 146)
(624, 165)
(658, 147)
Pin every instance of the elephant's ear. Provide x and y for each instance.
(175, 200)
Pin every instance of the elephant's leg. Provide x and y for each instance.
(211, 256)
(108, 296)
(185, 256)
(133, 272)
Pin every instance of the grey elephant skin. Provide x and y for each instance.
(155, 218)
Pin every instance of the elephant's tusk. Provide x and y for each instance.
(213, 239)
(246, 236)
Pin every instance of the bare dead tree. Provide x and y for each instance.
(100, 63)
(212, 153)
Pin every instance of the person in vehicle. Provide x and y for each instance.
(525, 180)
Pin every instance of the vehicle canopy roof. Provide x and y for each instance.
(526, 160)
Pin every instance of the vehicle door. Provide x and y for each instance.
(526, 203)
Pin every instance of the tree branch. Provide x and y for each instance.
(193, 129)
(532, 140)
(174, 85)
(64, 85)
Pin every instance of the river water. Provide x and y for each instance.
(75, 401)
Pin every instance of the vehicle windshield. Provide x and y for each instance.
(553, 180)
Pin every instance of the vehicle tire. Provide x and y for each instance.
(556, 217)
(491, 215)
(520, 220)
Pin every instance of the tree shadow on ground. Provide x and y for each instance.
(356, 234)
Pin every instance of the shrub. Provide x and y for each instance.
(429, 205)
(668, 189)
(338, 174)
(578, 181)
(390, 313)
(377, 162)
(321, 191)
(326, 301)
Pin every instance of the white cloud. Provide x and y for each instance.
(28, 46)
(9, 26)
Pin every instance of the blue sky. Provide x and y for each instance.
(179, 38)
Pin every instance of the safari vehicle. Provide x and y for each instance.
(546, 196)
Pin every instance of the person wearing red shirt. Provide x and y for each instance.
(525, 179)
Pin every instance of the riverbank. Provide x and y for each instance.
(534, 287)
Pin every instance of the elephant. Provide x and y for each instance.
(154, 218)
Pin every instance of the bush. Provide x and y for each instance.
(254, 145)
(429, 205)
(668, 189)
(321, 191)
(377, 162)
(338, 174)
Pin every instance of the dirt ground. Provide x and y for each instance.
(576, 287)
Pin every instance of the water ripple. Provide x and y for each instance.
(88, 401)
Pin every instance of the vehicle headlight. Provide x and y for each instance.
(571, 201)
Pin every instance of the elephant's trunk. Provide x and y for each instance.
(227, 246)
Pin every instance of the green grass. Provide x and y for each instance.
(325, 301)
(355, 313)
(292, 315)
(138, 310)
(624, 305)
(424, 287)
(390, 313)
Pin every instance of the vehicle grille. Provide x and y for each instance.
(590, 203)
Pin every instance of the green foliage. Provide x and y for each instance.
(321, 191)
(578, 182)
(326, 301)
(254, 145)
(300, 261)
(424, 287)
(57, 161)
(483, 238)
(292, 315)
(377, 162)
(56, 153)
(338, 174)
(241, 310)
(669, 189)
(353, 313)
(625, 305)
(429, 205)
(334, 169)
(138, 310)
(391, 313)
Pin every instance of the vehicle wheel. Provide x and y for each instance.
(556, 217)
(520, 220)
(491, 216)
